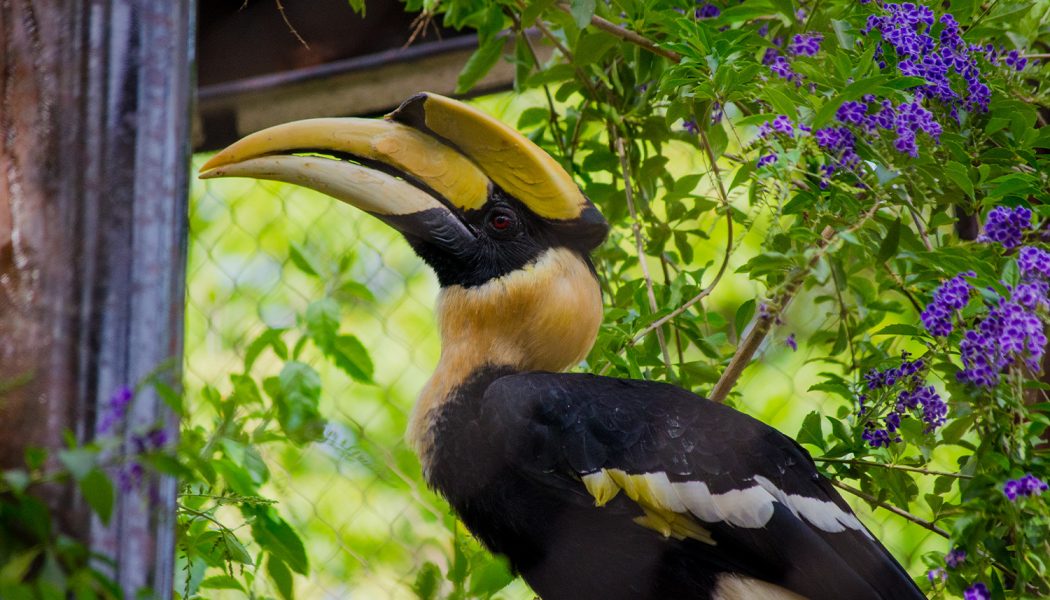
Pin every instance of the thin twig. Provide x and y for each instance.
(854, 461)
(628, 36)
(636, 227)
(919, 223)
(295, 32)
(893, 509)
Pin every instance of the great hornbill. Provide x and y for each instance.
(593, 487)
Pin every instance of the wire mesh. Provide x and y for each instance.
(367, 520)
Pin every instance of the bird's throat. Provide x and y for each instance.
(542, 317)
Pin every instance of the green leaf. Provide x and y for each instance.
(349, 290)
(278, 538)
(351, 356)
(490, 577)
(582, 11)
(428, 578)
(888, 248)
(322, 321)
(960, 177)
(16, 479)
(300, 260)
(221, 582)
(480, 63)
(15, 568)
(899, 329)
(79, 461)
(812, 432)
(235, 550)
(297, 398)
(271, 338)
(743, 316)
(97, 490)
(281, 578)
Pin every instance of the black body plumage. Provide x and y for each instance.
(510, 449)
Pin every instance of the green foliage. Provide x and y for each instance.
(733, 251)
(844, 253)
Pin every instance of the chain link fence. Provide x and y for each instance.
(368, 522)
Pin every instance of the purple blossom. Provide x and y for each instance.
(955, 558)
(791, 343)
(852, 112)
(782, 124)
(781, 67)
(1015, 60)
(938, 574)
(1009, 333)
(876, 437)
(1034, 263)
(130, 477)
(1029, 485)
(115, 410)
(952, 295)
(907, 28)
(707, 11)
(154, 439)
(805, 44)
(1006, 226)
(690, 126)
(767, 160)
(977, 591)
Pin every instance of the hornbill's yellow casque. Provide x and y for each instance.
(593, 487)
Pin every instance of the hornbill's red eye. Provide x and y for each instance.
(501, 221)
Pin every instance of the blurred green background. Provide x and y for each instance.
(368, 521)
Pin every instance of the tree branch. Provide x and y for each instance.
(893, 509)
(628, 36)
(764, 320)
(854, 461)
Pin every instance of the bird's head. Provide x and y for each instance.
(501, 223)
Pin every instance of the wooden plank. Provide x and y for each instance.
(365, 85)
(95, 98)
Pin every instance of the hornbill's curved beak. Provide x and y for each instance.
(420, 169)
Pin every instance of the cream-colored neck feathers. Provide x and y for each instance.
(542, 317)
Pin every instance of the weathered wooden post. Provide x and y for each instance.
(94, 111)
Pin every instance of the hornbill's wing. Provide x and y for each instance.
(691, 468)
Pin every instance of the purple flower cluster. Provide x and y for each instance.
(908, 29)
(115, 410)
(1034, 263)
(1029, 485)
(781, 67)
(938, 574)
(767, 160)
(907, 120)
(955, 558)
(1009, 332)
(805, 44)
(707, 11)
(915, 397)
(977, 591)
(690, 126)
(1015, 60)
(154, 439)
(841, 144)
(951, 296)
(1006, 226)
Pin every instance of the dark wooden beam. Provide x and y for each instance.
(94, 121)
(365, 85)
